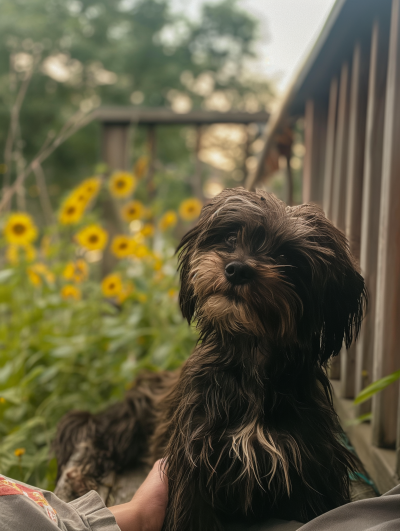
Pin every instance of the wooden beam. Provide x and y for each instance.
(371, 202)
(339, 176)
(163, 116)
(115, 146)
(387, 333)
(330, 149)
(353, 193)
(197, 180)
(315, 144)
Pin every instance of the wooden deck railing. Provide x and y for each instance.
(352, 169)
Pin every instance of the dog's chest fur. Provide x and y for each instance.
(246, 443)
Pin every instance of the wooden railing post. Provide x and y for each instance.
(354, 185)
(339, 176)
(315, 144)
(387, 333)
(330, 149)
(371, 203)
(115, 145)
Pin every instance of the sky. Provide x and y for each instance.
(287, 30)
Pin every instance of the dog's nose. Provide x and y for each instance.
(238, 273)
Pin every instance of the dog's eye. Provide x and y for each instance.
(231, 241)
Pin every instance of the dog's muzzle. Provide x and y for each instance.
(238, 273)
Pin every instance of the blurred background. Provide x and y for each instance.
(95, 198)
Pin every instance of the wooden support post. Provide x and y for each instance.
(354, 185)
(151, 148)
(315, 144)
(371, 203)
(339, 182)
(330, 149)
(197, 181)
(115, 146)
(387, 332)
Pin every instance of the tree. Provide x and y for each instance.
(86, 53)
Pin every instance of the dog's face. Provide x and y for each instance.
(253, 266)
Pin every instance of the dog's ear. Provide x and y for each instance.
(185, 251)
(339, 291)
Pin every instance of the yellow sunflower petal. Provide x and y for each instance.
(122, 184)
(15, 253)
(92, 238)
(133, 210)
(81, 271)
(190, 209)
(20, 229)
(111, 285)
(69, 271)
(122, 246)
(141, 167)
(71, 211)
(70, 292)
(168, 220)
(148, 230)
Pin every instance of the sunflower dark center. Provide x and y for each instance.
(19, 228)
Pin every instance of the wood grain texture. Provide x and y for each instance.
(371, 202)
(341, 149)
(387, 329)
(316, 117)
(330, 148)
(353, 187)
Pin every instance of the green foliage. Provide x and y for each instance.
(59, 354)
(376, 387)
(89, 53)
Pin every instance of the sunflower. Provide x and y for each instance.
(89, 187)
(111, 285)
(69, 271)
(71, 211)
(76, 271)
(148, 230)
(133, 210)
(122, 246)
(157, 265)
(19, 452)
(168, 220)
(39, 271)
(81, 271)
(34, 278)
(92, 238)
(16, 252)
(20, 229)
(45, 245)
(125, 292)
(190, 209)
(122, 184)
(70, 292)
(141, 166)
(141, 251)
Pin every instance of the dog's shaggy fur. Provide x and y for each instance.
(247, 428)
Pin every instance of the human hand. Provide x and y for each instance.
(146, 510)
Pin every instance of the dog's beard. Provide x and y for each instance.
(266, 306)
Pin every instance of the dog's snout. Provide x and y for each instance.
(238, 273)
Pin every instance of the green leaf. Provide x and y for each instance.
(359, 420)
(5, 275)
(376, 387)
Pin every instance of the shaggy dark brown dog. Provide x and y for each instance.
(247, 428)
